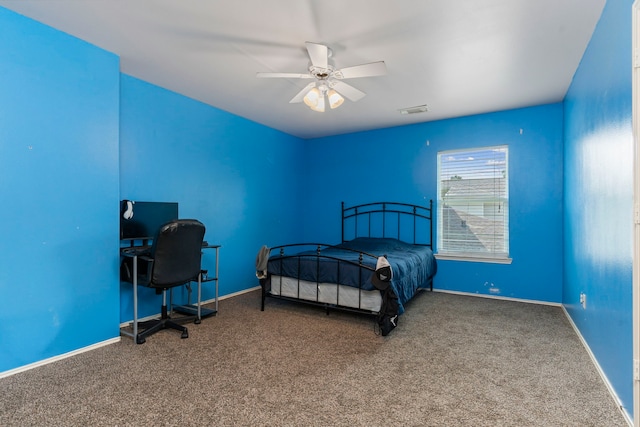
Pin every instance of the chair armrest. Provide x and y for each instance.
(135, 251)
(144, 262)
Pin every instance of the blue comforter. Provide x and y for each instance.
(413, 266)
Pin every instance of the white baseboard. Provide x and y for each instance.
(470, 294)
(209, 301)
(57, 358)
(235, 294)
(612, 392)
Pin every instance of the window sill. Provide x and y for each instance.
(471, 258)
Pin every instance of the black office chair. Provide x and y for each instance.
(174, 259)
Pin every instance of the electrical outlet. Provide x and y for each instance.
(493, 289)
(583, 300)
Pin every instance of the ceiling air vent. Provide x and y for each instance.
(414, 110)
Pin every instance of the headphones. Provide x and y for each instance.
(128, 209)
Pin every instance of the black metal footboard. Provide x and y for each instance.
(320, 274)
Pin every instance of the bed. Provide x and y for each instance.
(339, 276)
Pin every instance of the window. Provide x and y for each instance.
(473, 204)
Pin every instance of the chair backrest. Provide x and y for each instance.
(176, 251)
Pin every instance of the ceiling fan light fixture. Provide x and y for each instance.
(326, 77)
(335, 100)
(319, 106)
(312, 98)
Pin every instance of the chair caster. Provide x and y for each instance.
(185, 334)
(140, 340)
(197, 321)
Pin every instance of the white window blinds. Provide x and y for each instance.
(473, 204)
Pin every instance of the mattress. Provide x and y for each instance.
(326, 293)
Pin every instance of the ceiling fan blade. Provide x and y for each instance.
(284, 75)
(319, 54)
(302, 93)
(364, 70)
(349, 91)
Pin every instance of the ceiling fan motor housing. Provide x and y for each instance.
(327, 77)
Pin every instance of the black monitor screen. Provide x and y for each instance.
(147, 218)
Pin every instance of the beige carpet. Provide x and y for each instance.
(453, 361)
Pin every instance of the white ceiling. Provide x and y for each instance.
(459, 57)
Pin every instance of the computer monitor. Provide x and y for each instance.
(147, 218)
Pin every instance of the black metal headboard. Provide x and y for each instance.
(409, 223)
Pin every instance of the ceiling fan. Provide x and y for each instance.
(328, 80)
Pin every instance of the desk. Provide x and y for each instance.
(133, 250)
(196, 309)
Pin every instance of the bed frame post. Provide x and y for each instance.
(414, 226)
(384, 221)
(342, 203)
(431, 225)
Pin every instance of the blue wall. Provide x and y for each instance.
(396, 164)
(598, 186)
(239, 178)
(77, 136)
(59, 187)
